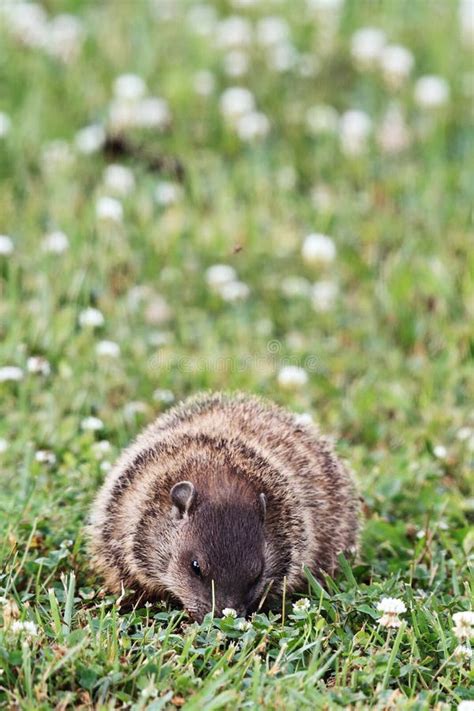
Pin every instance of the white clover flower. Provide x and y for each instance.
(318, 249)
(466, 21)
(55, 156)
(303, 419)
(286, 177)
(367, 45)
(38, 365)
(466, 706)
(55, 242)
(325, 5)
(327, 14)
(464, 433)
(393, 135)
(3, 445)
(308, 65)
(463, 652)
(105, 466)
(244, 625)
(28, 628)
(167, 193)
(354, 130)
(292, 286)
(302, 605)
(390, 620)
(109, 209)
(229, 612)
(5, 124)
(107, 349)
(252, 126)
(323, 198)
(148, 113)
(44, 456)
(152, 112)
(236, 63)
(233, 32)
(159, 338)
(91, 318)
(323, 295)
(137, 295)
(157, 310)
(6, 246)
(92, 424)
(234, 291)
(391, 607)
(90, 139)
(122, 115)
(244, 4)
(322, 119)
(463, 625)
(164, 396)
(236, 102)
(396, 63)
(222, 279)
(101, 448)
(431, 92)
(164, 10)
(27, 22)
(202, 19)
(292, 377)
(204, 83)
(440, 451)
(10, 373)
(272, 31)
(282, 57)
(64, 39)
(129, 87)
(220, 274)
(119, 180)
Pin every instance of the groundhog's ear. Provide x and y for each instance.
(182, 496)
(262, 504)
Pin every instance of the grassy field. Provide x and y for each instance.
(109, 312)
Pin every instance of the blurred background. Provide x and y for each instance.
(249, 194)
(243, 194)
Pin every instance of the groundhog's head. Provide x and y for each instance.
(219, 558)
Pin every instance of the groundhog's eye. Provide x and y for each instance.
(196, 568)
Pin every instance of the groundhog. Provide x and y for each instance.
(220, 503)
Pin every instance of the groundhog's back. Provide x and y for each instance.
(312, 506)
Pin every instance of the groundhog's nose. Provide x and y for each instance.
(196, 616)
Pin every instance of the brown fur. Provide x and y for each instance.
(232, 448)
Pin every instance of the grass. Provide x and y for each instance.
(390, 364)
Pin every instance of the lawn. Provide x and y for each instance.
(256, 195)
